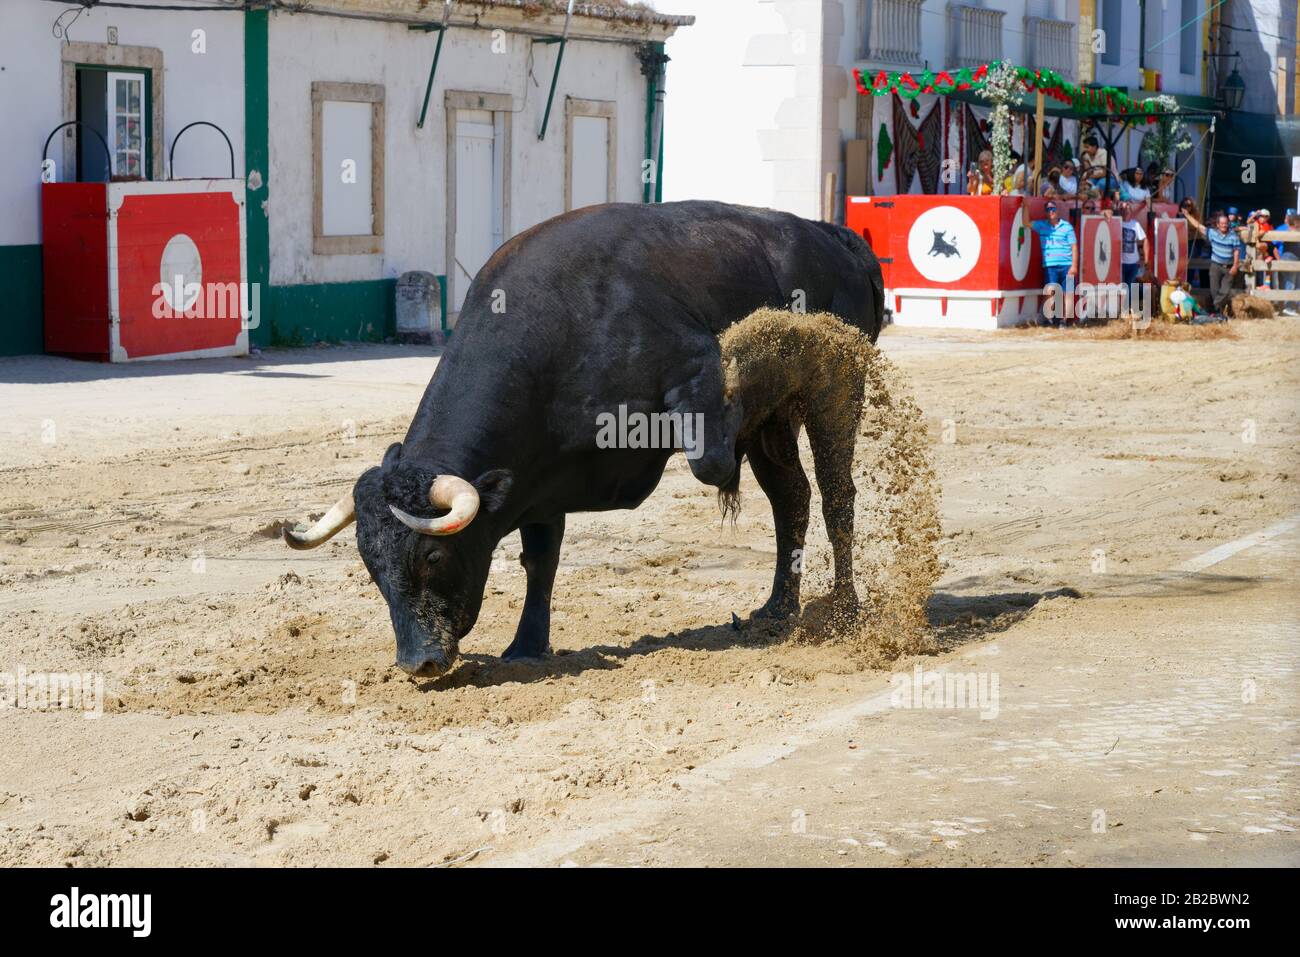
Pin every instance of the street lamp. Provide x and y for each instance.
(1234, 90)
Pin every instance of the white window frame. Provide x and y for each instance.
(368, 243)
(607, 110)
(111, 78)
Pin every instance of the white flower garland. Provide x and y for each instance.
(1169, 134)
(1000, 89)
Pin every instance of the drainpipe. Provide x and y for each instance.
(1142, 38)
(653, 60)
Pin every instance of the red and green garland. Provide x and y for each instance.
(1106, 99)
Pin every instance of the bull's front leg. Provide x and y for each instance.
(540, 558)
(709, 424)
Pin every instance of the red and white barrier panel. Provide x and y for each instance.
(146, 270)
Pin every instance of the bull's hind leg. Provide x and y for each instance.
(775, 462)
(832, 449)
(540, 558)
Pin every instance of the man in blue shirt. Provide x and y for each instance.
(1225, 257)
(1279, 248)
(1060, 254)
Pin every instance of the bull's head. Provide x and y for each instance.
(431, 571)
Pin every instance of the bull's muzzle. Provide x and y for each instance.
(423, 664)
(421, 651)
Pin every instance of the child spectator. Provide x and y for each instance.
(1132, 256)
(1069, 181)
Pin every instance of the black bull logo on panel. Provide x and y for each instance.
(942, 247)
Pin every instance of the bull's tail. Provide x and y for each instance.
(878, 315)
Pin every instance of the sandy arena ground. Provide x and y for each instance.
(1146, 708)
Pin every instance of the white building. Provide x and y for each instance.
(793, 105)
(322, 106)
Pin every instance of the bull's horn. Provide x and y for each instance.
(342, 514)
(449, 492)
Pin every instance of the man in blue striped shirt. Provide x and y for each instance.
(1225, 257)
(1060, 254)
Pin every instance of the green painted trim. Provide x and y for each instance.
(22, 324)
(649, 134)
(442, 305)
(363, 311)
(659, 169)
(257, 156)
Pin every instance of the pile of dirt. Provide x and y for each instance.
(1246, 306)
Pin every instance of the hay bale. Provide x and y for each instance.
(1246, 306)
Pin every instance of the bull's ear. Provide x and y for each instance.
(493, 487)
(391, 457)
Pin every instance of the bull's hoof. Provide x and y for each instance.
(844, 602)
(525, 654)
(775, 609)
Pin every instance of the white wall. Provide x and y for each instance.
(743, 111)
(1164, 20)
(209, 87)
(304, 49)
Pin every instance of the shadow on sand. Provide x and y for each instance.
(954, 619)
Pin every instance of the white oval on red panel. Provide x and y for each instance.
(1103, 250)
(181, 269)
(1172, 250)
(943, 244)
(1022, 243)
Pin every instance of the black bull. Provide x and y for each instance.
(604, 311)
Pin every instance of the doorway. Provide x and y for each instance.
(479, 207)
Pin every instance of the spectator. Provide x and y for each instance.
(1133, 188)
(1162, 189)
(1235, 223)
(1096, 165)
(979, 182)
(1287, 253)
(1069, 181)
(1131, 257)
(1258, 253)
(1263, 256)
(1060, 255)
(1052, 183)
(1280, 248)
(1225, 258)
(1014, 185)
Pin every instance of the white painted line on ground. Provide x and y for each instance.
(1227, 550)
(722, 769)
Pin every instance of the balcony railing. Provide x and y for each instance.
(892, 31)
(974, 34)
(1049, 45)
